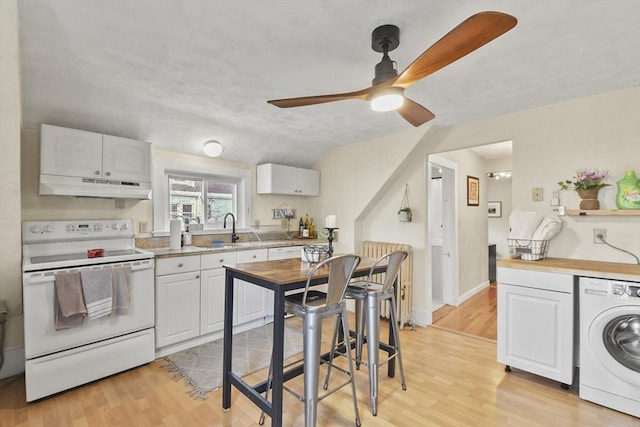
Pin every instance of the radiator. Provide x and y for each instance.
(375, 250)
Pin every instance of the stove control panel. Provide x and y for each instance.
(43, 231)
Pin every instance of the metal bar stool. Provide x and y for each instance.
(373, 293)
(313, 306)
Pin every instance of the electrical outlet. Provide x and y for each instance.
(599, 231)
(536, 194)
(3, 311)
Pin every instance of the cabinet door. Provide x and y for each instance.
(251, 300)
(70, 152)
(535, 331)
(307, 182)
(126, 159)
(177, 308)
(212, 300)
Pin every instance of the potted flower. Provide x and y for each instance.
(587, 183)
(404, 214)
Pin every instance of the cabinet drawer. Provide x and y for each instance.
(217, 260)
(253, 255)
(181, 264)
(536, 279)
(284, 252)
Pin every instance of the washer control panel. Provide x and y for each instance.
(625, 290)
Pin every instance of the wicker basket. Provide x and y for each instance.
(528, 250)
(315, 253)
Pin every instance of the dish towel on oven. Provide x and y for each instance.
(121, 289)
(68, 301)
(98, 291)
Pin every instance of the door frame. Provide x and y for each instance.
(450, 190)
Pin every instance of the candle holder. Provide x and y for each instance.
(330, 239)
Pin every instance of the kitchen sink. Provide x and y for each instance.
(232, 245)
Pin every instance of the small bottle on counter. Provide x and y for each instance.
(305, 229)
(312, 228)
(300, 227)
(186, 237)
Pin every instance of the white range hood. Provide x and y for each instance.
(85, 187)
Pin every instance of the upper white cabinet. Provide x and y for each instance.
(280, 179)
(78, 153)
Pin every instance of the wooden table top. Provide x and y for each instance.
(293, 270)
(577, 267)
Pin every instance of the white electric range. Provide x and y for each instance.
(57, 360)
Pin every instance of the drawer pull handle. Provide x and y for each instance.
(180, 265)
(197, 276)
(221, 260)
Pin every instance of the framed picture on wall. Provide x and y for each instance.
(473, 191)
(495, 209)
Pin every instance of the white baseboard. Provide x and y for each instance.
(13, 361)
(462, 298)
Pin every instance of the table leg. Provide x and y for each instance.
(278, 359)
(228, 339)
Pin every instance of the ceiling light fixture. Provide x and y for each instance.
(213, 148)
(388, 99)
(498, 175)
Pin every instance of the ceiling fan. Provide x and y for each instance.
(387, 90)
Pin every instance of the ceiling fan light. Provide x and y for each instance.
(387, 100)
(212, 148)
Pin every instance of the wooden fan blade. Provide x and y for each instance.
(470, 35)
(414, 113)
(320, 99)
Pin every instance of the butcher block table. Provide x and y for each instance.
(280, 276)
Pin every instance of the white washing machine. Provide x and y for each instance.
(610, 343)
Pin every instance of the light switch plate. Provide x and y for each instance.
(536, 194)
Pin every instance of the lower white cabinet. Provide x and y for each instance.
(252, 302)
(536, 322)
(212, 301)
(177, 307)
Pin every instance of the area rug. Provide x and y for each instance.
(201, 366)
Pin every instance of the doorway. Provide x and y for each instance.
(443, 216)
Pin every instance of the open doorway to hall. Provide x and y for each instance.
(464, 300)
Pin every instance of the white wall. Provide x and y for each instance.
(10, 118)
(354, 177)
(549, 143)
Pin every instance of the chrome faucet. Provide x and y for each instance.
(234, 236)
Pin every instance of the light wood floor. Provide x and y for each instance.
(452, 380)
(476, 316)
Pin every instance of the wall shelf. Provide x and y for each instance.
(604, 212)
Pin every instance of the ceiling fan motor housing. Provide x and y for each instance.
(384, 39)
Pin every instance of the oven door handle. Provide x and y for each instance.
(49, 276)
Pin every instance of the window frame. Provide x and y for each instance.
(163, 167)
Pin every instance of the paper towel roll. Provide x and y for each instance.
(174, 233)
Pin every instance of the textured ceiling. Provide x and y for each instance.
(180, 72)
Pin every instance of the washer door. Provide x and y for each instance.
(614, 337)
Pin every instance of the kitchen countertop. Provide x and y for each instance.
(577, 267)
(228, 247)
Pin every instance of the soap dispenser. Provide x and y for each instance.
(186, 237)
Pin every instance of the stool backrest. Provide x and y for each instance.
(341, 269)
(394, 263)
